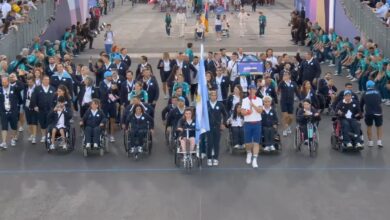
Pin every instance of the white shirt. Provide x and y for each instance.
(87, 96)
(244, 84)
(5, 8)
(194, 80)
(238, 122)
(254, 116)
(109, 37)
(218, 80)
(61, 120)
(218, 22)
(167, 66)
(213, 104)
(232, 67)
(273, 60)
(236, 99)
(45, 89)
(94, 112)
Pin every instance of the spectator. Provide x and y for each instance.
(381, 9)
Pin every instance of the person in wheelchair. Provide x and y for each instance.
(136, 100)
(236, 123)
(199, 29)
(349, 112)
(59, 121)
(305, 115)
(269, 123)
(186, 128)
(139, 123)
(93, 122)
(175, 115)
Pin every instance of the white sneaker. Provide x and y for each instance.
(3, 145)
(248, 158)
(88, 145)
(13, 142)
(140, 149)
(370, 143)
(254, 162)
(95, 145)
(330, 65)
(209, 162)
(357, 92)
(64, 146)
(285, 133)
(272, 148)
(203, 155)
(30, 138)
(112, 139)
(379, 143)
(34, 140)
(289, 130)
(21, 129)
(215, 162)
(349, 144)
(51, 147)
(336, 73)
(359, 145)
(349, 76)
(353, 80)
(237, 146)
(267, 149)
(132, 150)
(43, 138)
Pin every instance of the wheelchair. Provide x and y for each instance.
(187, 158)
(277, 144)
(336, 138)
(134, 147)
(225, 33)
(70, 139)
(199, 36)
(103, 144)
(229, 143)
(170, 139)
(312, 137)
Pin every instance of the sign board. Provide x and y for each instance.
(250, 68)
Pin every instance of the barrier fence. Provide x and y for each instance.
(368, 23)
(15, 41)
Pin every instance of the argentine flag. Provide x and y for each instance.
(202, 116)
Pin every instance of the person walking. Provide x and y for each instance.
(370, 104)
(168, 24)
(243, 18)
(262, 23)
(218, 27)
(181, 21)
(108, 39)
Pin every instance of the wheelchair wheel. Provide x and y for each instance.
(125, 141)
(297, 140)
(149, 143)
(72, 138)
(177, 158)
(333, 142)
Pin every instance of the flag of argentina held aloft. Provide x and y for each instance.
(202, 116)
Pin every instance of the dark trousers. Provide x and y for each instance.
(137, 138)
(168, 30)
(83, 109)
(202, 143)
(350, 126)
(262, 29)
(92, 134)
(237, 136)
(42, 118)
(269, 135)
(9, 119)
(213, 139)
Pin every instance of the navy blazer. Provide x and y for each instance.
(129, 111)
(90, 120)
(126, 60)
(186, 70)
(138, 72)
(224, 86)
(122, 69)
(43, 100)
(94, 94)
(48, 71)
(104, 91)
(124, 92)
(14, 98)
(152, 88)
(217, 115)
(68, 82)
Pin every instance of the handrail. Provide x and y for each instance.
(368, 23)
(15, 41)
